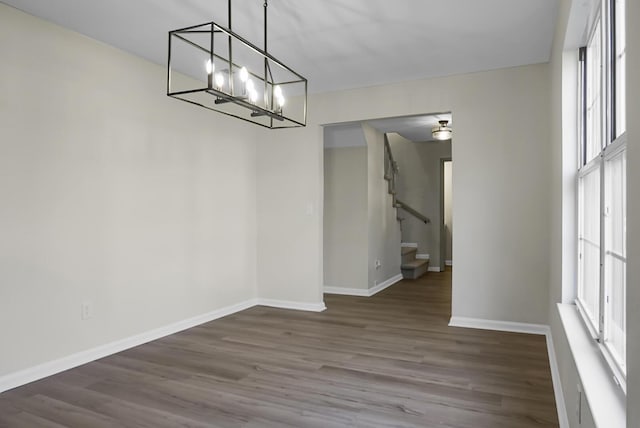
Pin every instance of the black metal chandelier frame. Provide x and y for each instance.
(277, 116)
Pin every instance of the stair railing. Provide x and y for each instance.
(391, 171)
(412, 211)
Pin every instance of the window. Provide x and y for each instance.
(593, 106)
(615, 262)
(602, 184)
(619, 65)
(589, 241)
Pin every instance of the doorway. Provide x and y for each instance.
(446, 226)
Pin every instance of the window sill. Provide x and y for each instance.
(605, 398)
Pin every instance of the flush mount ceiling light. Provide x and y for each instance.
(215, 68)
(442, 131)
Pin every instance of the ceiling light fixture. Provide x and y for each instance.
(442, 131)
(213, 67)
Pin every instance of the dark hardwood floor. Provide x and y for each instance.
(384, 361)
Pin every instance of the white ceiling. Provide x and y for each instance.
(413, 128)
(336, 44)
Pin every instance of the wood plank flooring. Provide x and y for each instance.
(384, 361)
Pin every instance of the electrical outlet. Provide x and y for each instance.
(378, 264)
(86, 310)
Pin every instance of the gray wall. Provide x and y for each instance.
(345, 214)
(420, 185)
(384, 230)
(360, 225)
(112, 193)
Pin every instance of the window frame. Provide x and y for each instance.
(613, 149)
(594, 328)
(598, 22)
(611, 146)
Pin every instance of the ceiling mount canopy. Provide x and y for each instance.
(211, 66)
(442, 131)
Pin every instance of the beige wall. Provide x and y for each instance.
(420, 185)
(289, 213)
(345, 217)
(384, 230)
(113, 193)
(501, 181)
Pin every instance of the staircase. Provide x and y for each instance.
(411, 267)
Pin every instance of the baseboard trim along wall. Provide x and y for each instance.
(434, 269)
(23, 377)
(386, 284)
(561, 406)
(448, 262)
(361, 292)
(409, 244)
(514, 327)
(296, 306)
(517, 327)
(423, 257)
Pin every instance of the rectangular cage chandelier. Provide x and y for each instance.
(213, 67)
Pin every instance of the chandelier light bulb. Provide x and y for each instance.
(277, 92)
(253, 95)
(219, 80)
(281, 101)
(244, 74)
(210, 66)
(250, 86)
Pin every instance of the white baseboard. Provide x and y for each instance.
(561, 406)
(409, 244)
(297, 306)
(434, 269)
(361, 292)
(31, 374)
(50, 368)
(386, 284)
(517, 327)
(448, 262)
